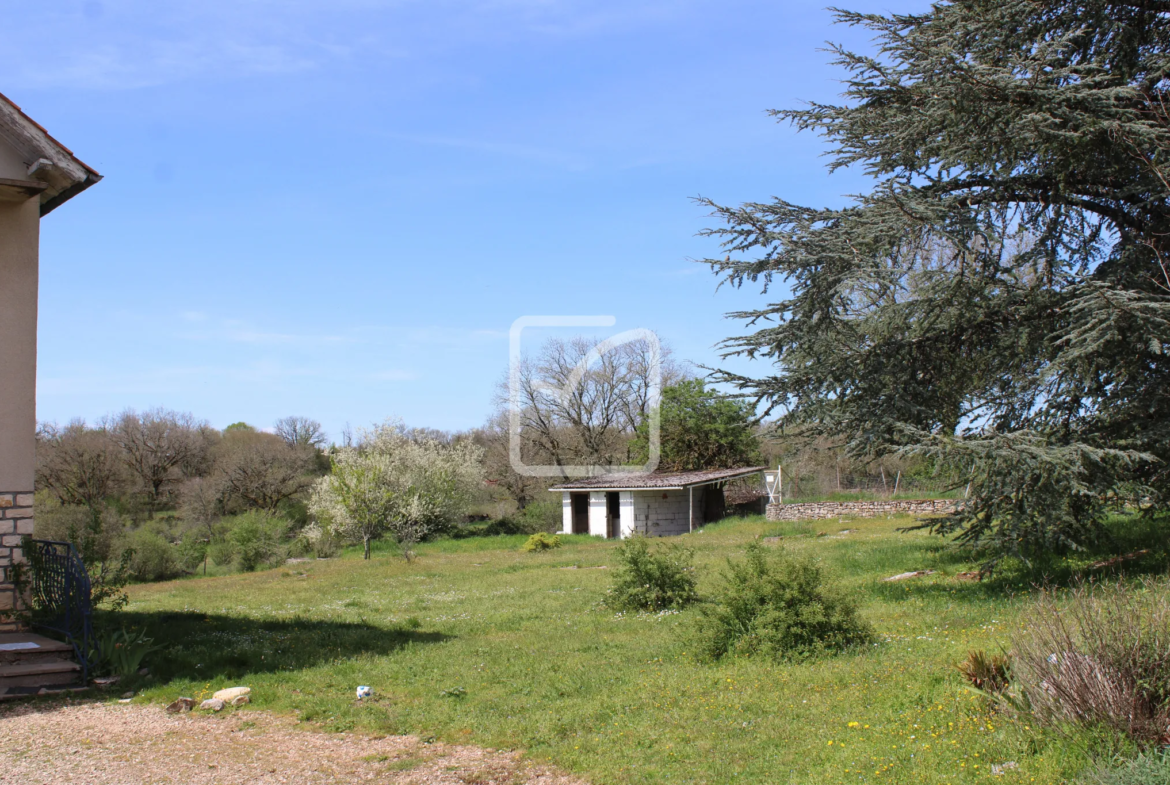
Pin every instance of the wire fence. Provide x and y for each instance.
(847, 487)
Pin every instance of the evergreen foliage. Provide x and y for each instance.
(779, 606)
(652, 578)
(1000, 300)
(701, 429)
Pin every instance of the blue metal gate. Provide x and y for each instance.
(61, 594)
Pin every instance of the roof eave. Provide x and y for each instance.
(747, 472)
(625, 488)
(50, 162)
(60, 198)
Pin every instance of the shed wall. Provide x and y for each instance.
(663, 513)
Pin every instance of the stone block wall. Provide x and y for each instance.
(804, 511)
(657, 516)
(16, 521)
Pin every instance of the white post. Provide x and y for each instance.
(691, 508)
(566, 513)
(597, 514)
(780, 477)
(626, 514)
(897, 482)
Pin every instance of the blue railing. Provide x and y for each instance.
(61, 596)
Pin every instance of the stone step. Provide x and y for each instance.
(14, 693)
(39, 674)
(18, 648)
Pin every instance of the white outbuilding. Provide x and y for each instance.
(655, 504)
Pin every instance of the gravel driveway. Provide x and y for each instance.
(75, 743)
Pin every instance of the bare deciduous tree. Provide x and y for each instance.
(80, 465)
(262, 469)
(493, 440)
(154, 445)
(301, 432)
(579, 404)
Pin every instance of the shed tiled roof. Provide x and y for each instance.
(654, 480)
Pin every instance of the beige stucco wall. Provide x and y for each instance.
(19, 239)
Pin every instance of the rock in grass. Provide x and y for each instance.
(228, 695)
(240, 700)
(212, 704)
(902, 576)
(181, 705)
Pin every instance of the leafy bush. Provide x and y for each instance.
(222, 552)
(1147, 769)
(986, 673)
(652, 578)
(1099, 658)
(503, 526)
(536, 518)
(541, 542)
(544, 515)
(249, 541)
(97, 535)
(192, 550)
(154, 557)
(780, 606)
(257, 539)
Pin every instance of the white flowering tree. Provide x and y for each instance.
(397, 482)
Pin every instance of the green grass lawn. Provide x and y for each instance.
(617, 698)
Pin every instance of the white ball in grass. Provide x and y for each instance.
(364, 692)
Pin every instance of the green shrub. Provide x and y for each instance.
(651, 578)
(544, 515)
(192, 550)
(541, 542)
(257, 538)
(777, 605)
(222, 552)
(1148, 769)
(98, 536)
(154, 557)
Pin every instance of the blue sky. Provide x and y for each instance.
(337, 208)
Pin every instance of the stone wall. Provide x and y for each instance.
(804, 511)
(16, 520)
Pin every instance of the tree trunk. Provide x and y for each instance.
(366, 545)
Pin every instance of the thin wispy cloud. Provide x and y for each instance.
(128, 44)
(166, 379)
(235, 331)
(502, 149)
